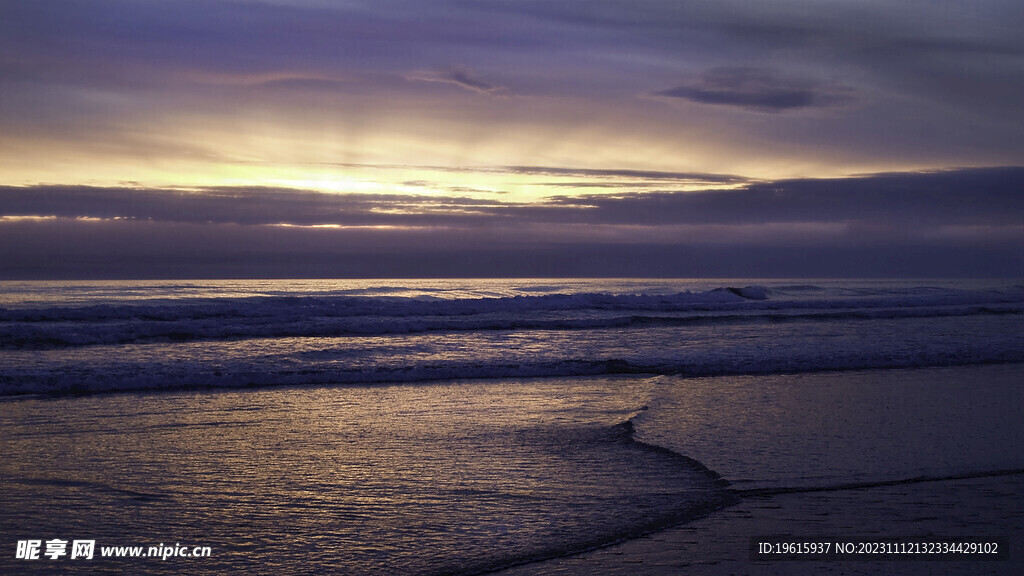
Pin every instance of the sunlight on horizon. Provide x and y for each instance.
(518, 184)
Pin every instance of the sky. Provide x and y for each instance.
(430, 138)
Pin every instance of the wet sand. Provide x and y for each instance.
(719, 544)
(830, 457)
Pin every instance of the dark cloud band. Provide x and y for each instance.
(984, 196)
(759, 89)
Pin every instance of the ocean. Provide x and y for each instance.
(462, 426)
(64, 337)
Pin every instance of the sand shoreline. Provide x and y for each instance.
(719, 543)
(896, 455)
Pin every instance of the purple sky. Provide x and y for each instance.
(438, 138)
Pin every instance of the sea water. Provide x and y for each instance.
(59, 337)
(459, 426)
(428, 479)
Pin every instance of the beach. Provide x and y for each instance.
(973, 411)
(366, 479)
(463, 427)
(516, 287)
(979, 508)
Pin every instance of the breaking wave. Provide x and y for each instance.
(378, 337)
(337, 316)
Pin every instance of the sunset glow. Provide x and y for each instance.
(516, 115)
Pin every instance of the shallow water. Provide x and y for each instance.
(829, 429)
(883, 455)
(400, 473)
(434, 478)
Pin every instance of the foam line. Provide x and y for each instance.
(775, 491)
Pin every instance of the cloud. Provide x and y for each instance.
(909, 202)
(619, 173)
(461, 78)
(85, 250)
(942, 84)
(758, 89)
(959, 222)
(245, 206)
(968, 199)
(559, 171)
(295, 78)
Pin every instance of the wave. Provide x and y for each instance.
(705, 493)
(196, 320)
(61, 380)
(780, 490)
(344, 339)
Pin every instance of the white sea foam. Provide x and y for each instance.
(226, 337)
